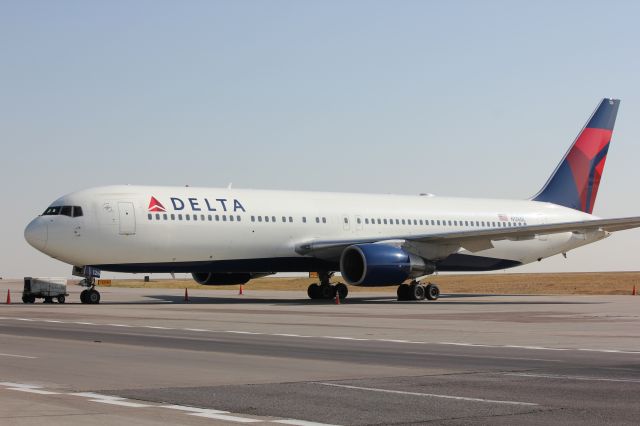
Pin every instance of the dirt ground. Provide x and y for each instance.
(552, 283)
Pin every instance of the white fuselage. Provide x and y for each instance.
(259, 230)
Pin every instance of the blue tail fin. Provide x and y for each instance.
(575, 181)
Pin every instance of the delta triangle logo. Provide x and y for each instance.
(156, 206)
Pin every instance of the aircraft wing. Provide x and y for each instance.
(472, 240)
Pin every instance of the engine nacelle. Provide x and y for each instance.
(210, 278)
(380, 264)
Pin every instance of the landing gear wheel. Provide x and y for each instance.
(28, 299)
(327, 291)
(416, 291)
(61, 299)
(48, 299)
(313, 291)
(83, 296)
(403, 292)
(93, 297)
(342, 291)
(432, 292)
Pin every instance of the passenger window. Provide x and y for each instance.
(211, 218)
(164, 216)
(358, 220)
(150, 216)
(304, 219)
(173, 216)
(188, 217)
(179, 217)
(230, 218)
(385, 221)
(290, 219)
(217, 218)
(238, 218)
(346, 220)
(317, 219)
(324, 220)
(403, 221)
(366, 221)
(259, 218)
(380, 221)
(195, 217)
(284, 219)
(421, 222)
(253, 218)
(157, 216)
(273, 219)
(202, 217)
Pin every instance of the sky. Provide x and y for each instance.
(456, 98)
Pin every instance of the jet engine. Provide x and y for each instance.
(211, 278)
(373, 265)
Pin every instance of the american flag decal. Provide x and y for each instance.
(503, 217)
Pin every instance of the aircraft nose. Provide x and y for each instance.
(36, 234)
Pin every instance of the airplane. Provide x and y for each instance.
(225, 236)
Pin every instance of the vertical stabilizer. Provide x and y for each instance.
(575, 181)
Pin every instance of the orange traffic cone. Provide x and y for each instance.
(186, 295)
(633, 293)
(337, 298)
(240, 292)
(8, 296)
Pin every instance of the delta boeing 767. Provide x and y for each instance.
(229, 236)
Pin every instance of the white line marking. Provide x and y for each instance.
(19, 356)
(211, 415)
(38, 391)
(559, 376)
(432, 395)
(108, 399)
(299, 422)
(192, 409)
(479, 345)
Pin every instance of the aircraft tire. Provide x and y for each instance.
(342, 290)
(313, 291)
(403, 292)
(432, 292)
(327, 292)
(61, 299)
(416, 292)
(83, 296)
(93, 297)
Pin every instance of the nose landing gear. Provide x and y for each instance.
(90, 295)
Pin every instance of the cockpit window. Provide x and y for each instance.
(67, 211)
(52, 211)
(71, 211)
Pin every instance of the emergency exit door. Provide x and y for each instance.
(127, 218)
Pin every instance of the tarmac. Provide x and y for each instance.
(147, 357)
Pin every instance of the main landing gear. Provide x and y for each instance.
(326, 290)
(90, 295)
(417, 291)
